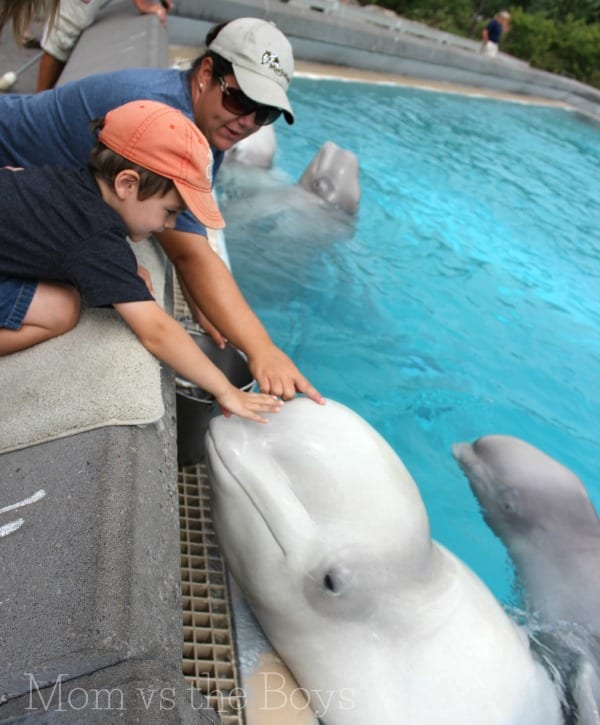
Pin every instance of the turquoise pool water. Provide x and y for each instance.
(466, 302)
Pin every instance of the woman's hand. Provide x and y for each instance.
(276, 374)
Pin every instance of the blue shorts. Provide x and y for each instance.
(15, 297)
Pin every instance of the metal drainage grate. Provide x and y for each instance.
(209, 658)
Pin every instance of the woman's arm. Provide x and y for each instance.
(213, 288)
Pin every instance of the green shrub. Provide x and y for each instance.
(570, 47)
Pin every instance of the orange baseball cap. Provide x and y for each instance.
(161, 139)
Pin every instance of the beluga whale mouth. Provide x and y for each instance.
(325, 531)
(254, 497)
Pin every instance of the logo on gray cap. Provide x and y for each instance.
(271, 60)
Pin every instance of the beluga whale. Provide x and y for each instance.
(320, 208)
(332, 175)
(542, 513)
(258, 149)
(325, 531)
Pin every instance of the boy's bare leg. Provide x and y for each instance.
(53, 311)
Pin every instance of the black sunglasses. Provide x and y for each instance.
(237, 102)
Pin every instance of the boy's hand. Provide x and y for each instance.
(248, 405)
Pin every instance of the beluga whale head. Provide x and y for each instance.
(333, 176)
(296, 503)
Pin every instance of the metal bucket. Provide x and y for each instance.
(195, 407)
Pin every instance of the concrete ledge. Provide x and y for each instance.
(94, 572)
(90, 591)
(341, 38)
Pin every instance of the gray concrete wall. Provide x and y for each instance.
(339, 39)
(90, 588)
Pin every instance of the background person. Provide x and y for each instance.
(237, 85)
(61, 33)
(492, 32)
(21, 13)
(70, 226)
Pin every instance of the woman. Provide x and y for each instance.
(237, 85)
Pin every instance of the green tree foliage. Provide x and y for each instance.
(570, 47)
(586, 10)
(561, 36)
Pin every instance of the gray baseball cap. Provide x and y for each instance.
(262, 60)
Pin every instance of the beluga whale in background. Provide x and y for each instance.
(258, 149)
(332, 175)
(321, 208)
(542, 513)
(325, 531)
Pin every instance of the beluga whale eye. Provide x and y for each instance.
(340, 589)
(334, 582)
(509, 501)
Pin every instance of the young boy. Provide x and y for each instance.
(63, 238)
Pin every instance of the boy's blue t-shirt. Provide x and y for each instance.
(56, 226)
(53, 128)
